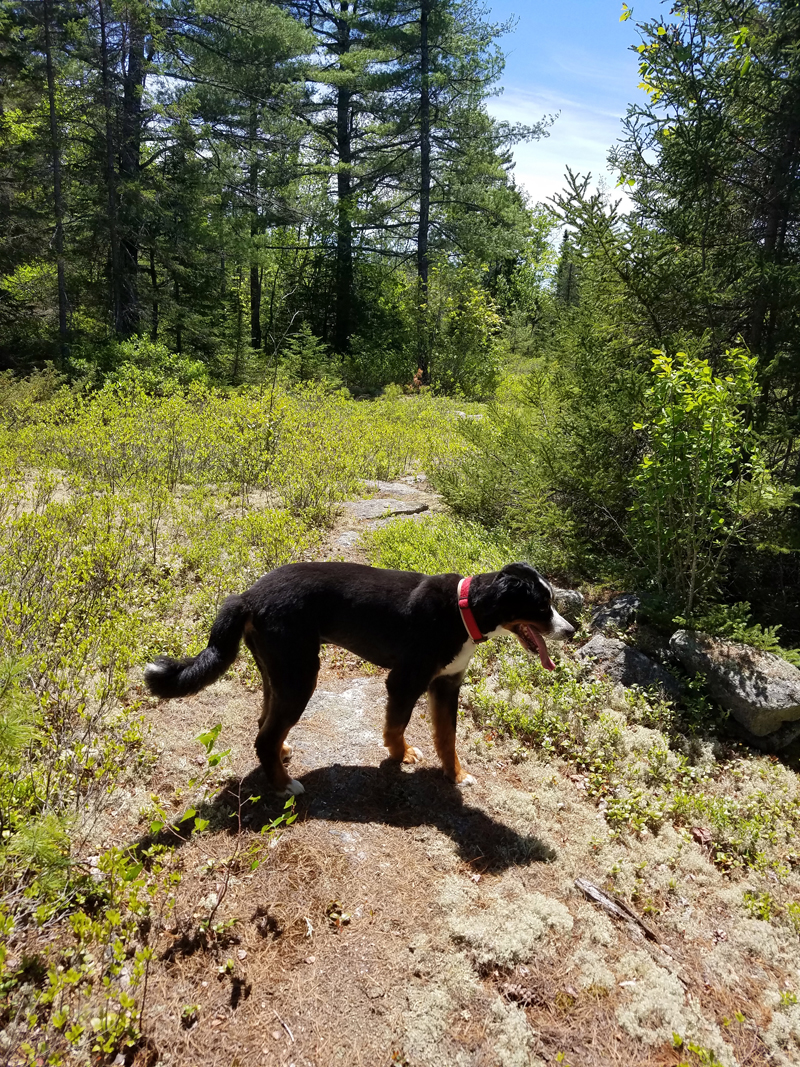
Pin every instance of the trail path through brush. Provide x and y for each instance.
(399, 920)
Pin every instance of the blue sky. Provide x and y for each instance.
(570, 56)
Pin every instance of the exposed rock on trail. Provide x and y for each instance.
(761, 690)
(411, 496)
(384, 508)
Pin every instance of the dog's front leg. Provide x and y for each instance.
(443, 704)
(404, 691)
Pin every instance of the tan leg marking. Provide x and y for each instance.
(443, 711)
(399, 748)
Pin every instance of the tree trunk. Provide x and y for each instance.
(344, 186)
(58, 203)
(423, 263)
(238, 350)
(111, 180)
(155, 308)
(130, 176)
(255, 306)
(255, 272)
(176, 292)
(778, 209)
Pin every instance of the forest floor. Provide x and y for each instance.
(399, 920)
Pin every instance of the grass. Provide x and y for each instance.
(436, 544)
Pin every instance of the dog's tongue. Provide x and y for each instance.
(538, 640)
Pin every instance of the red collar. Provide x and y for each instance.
(468, 618)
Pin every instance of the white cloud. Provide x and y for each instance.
(580, 138)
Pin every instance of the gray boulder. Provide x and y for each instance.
(569, 603)
(619, 612)
(625, 665)
(759, 689)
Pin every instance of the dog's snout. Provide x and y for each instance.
(561, 630)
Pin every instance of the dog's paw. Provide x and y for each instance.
(413, 755)
(286, 752)
(293, 789)
(466, 781)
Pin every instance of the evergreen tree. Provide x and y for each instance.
(712, 161)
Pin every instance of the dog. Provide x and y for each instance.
(423, 629)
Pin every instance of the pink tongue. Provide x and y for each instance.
(547, 663)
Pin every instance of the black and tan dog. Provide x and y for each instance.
(423, 629)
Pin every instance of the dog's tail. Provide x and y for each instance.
(167, 678)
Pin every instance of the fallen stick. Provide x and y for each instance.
(616, 907)
(283, 1024)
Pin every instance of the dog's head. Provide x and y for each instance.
(522, 602)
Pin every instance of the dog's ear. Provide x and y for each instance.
(524, 571)
(524, 576)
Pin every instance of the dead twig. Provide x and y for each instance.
(616, 907)
(285, 1026)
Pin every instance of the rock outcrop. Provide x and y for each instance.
(619, 612)
(627, 666)
(569, 603)
(759, 689)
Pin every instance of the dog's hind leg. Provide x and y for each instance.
(443, 705)
(266, 685)
(291, 687)
(286, 748)
(404, 691)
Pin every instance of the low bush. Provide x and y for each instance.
(441, 543)
(437, 544)
(701, 479)
(733, 621)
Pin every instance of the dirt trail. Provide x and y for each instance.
(399, 921)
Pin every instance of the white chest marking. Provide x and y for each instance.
(461, 660)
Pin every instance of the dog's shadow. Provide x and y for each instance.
(367, 794)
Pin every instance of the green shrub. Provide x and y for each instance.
(463, 335)
(438, 544)
(510, 473)
(372, 363)
(701, 479)
(151, 366)
(305, 358)
(733, 622)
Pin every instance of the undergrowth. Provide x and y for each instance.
(124, 520)
(733, 621)
(435, 544)
(642, 761)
